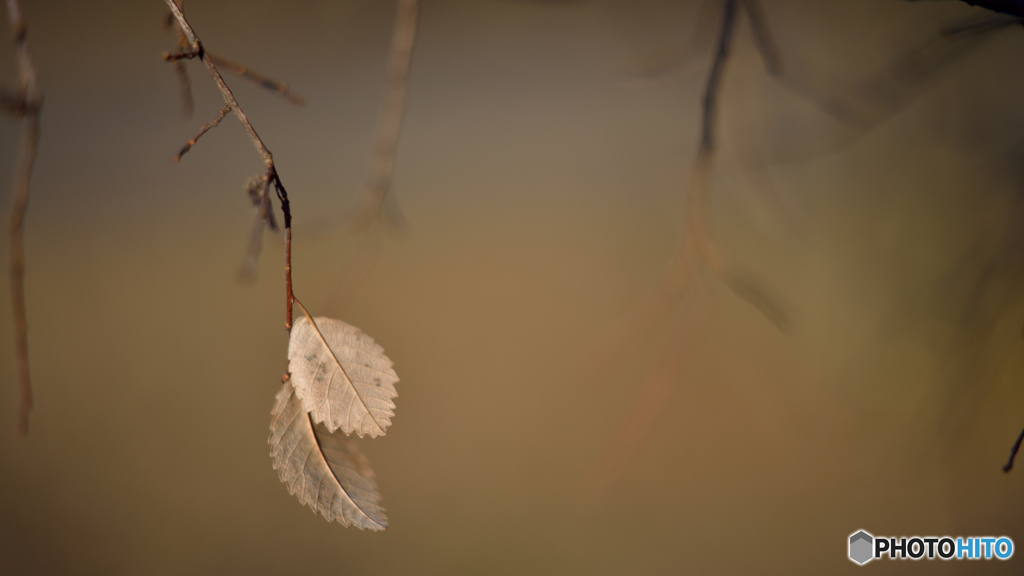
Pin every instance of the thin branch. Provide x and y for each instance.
(196, 47)
(377, 194)
(866, 104)
(696, 251)
(715, 76)
(259, 194)
(389, 123)
(184, 80)
(979, 26)
(763, 37)
(653, 398)
(206, 128)
(282, 196)
(1013, 452)
(30, 101)
(695, 247)
(184, 88)
(261, 81)
(180, 55)
(1011, 7)
(271, 177)
(236, 68)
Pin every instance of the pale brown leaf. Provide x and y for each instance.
(324, 470)
(342, 376)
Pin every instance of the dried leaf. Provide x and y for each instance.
(324, 470)
(342, 376)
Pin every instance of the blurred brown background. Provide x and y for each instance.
(542, 171)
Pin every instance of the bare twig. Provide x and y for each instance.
(1011, 7)
(377, 193)
(389, 123)
(866, 104)
(184, 80)
(695, 248)
(261, 81)
(259, 194)
(715, 77)
(696, 251)
(979, 26)
(282, 196)
(196, 50)
(29, 101)
(655, 393)
(206, 127)
(1013, 452)
(271, 178)
(185, 88)
(763, 37)
(243, 71)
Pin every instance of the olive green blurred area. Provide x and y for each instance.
(542, 174)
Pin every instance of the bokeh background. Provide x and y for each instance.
(542, 173)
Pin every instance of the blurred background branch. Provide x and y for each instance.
(24, 104)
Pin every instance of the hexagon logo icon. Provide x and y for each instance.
(860, 547)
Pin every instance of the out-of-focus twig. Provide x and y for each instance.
(1011, 7)
(184, 80)
(715, 76)
(763, 37)
(696, 252)
(866, 104)
(979, 26)
(188, 105)
(655, 392)
(378, 200)
(392, 112)
(261, 81)
(377, 193)
(270, 178)
(25, 105)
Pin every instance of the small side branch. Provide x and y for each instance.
(696, 252)
(261, 81)
(378, 197)
(715, 76)
(1011, 7)
(763, 37)
(271, 178)
(184, 88)
(979, 27)
(206, 128)
(1013, 452)
(196, 48)
(28, 102)
(259, 194)
(389, 124)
